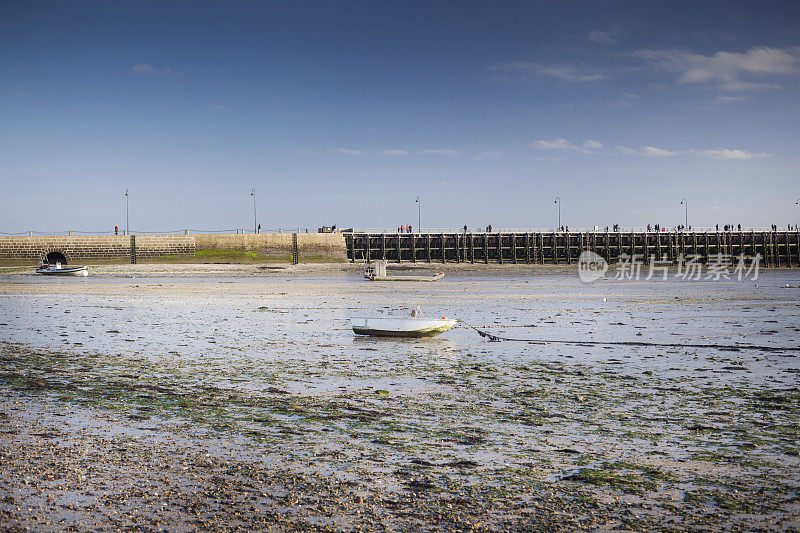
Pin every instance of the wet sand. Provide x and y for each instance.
(236, 397)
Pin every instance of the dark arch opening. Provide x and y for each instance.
(56, 257)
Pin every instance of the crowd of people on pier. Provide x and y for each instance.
(788, 227)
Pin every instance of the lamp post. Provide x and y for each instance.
(419, 214)
(127, 215)
(255, 223)
(558, 201)
(685, 205)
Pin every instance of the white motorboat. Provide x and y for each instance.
(377, 272)
(390, 326)
(58, 270)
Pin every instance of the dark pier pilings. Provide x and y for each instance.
(777, 248)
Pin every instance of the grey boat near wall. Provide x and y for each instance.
(376, 271)
(58, 270)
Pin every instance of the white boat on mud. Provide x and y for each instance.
(377, 272)
(390, 326)
(58, 270)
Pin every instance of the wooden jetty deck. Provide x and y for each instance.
(777, 248)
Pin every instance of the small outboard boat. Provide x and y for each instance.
(414, 326)
(377, 272)
(59, 270)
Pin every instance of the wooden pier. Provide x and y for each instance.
(777, 248)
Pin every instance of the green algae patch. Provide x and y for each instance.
(620, 476)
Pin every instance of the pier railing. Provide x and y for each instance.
(776, 248)
(573, 229)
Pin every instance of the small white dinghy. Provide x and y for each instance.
(389, 326)
(377, 272)
(58, 270)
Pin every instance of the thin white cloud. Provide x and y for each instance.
(491, 154)
(348, 151)
(735, 153)
(602, 37)
(626, 99)
(570, 73)
(722, 153)
(391, 153)
(143, 68)
(730, 99)
(591, 146)
(147, 68)
(647, 151)
(652, 151)
(218, 107)
(439, 151)
(726, 69)
(528, 69)
(553, 144)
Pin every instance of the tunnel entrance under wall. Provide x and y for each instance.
(56, 257)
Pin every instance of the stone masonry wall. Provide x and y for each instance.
(330, 245)
(86, 248)
(74, 248)
(148, 246)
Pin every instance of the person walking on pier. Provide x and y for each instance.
(408, 228)
(116, 230)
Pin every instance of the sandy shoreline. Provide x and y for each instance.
(175, 399)
(83, 469)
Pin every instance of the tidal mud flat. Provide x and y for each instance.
(218, 398)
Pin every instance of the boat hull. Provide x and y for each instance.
(437, 277)
(377, 272)
(67, 271)
(401, 327)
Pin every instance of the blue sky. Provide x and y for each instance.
(343, 112)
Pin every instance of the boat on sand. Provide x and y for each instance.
(390, 326)
(377, 272)
(59, 270)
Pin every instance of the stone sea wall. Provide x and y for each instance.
(124, 248)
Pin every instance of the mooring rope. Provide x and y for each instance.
(732, 347)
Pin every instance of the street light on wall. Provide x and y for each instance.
(255, 221)
(558, 201)
(127, 215)
(419, 214)
(685, 205)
